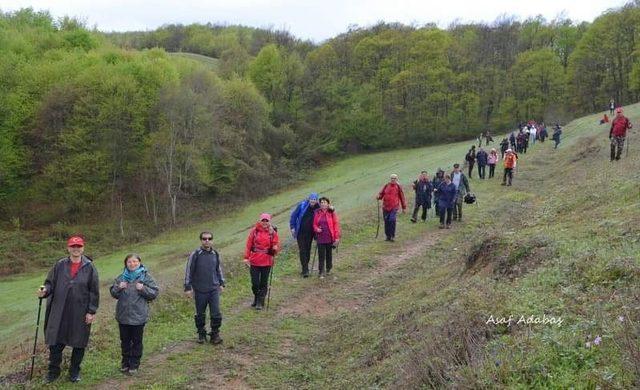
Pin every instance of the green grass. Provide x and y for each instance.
(568, 234)
(210, 62)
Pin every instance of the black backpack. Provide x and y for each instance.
(469, 198)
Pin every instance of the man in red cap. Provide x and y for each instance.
(619, 126)
(72, 292)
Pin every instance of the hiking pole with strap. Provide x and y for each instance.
(35, 341)
(378, 228)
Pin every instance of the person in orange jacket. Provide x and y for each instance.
(392, 199)
(263, 244)
(326, 225)
(510, 159)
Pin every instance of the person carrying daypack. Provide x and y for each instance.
(462, 188)
(423, 189)
(557, 132)
(439, 178)
(263, 244)
(134, 288)
(470, 158)
(204, 281)
(510, 160)
(618, 132)
(301, 225)
(392, 198)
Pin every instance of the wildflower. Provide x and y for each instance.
(621, 318)
(597, 340)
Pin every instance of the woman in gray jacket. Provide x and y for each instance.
(133, 289)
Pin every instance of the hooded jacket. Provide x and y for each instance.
(259, 242)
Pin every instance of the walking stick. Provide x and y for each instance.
(313, 262)
(35, 341)
(378, 228)
(627, 152)
(269, 286)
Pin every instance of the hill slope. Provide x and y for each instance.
(562, 242)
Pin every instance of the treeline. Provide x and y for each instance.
(96, 125)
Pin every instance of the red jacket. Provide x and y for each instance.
(259, 241)
(332, 220)
(619, 126)
(392, 197)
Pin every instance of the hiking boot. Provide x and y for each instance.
(448, 226)
(441, 226)
(124, 369)
(255, 300)
(503, 184)
(392, 239)
(413, 220)
(215, 338)
(51, 377)
(74, 377)
(133, 371)
(508, 185)
(202, 337)
(260, 303)
(305, 275)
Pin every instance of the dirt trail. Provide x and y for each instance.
(313, 303)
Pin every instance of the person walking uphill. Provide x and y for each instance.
(133, 289)
(72, 292)
(618, 132)
(204, 281)
(326, 225)
(262, 246)
(470, 158)
(446, 201)
(301, 225)
(462, 187)
(392, 199)
(423, 189)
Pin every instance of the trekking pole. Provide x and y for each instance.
(269, 286)
(313, 262)
(35, 341)
(378, 228)
(627, 152)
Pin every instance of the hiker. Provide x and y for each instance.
(204, 281)
(492, 160)
(612, 106)
(543, 134)
(439, 178)
(533, 135)
(462, 187)
(72, 290)
(423, 189)
(263, 244)
(479, 138)
(513, 140)
(392, 200)
(510, 160)
(557, 132)
(446, 201)
(134, 288)
(605, 119)
(520, 141)
(481, 158)
(618, 132)
(488, 138)
(504, 145)
(470, 158)
(326, 225)
(301, 224)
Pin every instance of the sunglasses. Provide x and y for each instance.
(265, 220)
(207, 238)
(75, 246)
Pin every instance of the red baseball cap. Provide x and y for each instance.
(619, 110)
(265, 216)
(75, 240)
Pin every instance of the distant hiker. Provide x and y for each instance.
(446, 200)
(439, 178)
(423, 189)
(263, 244)
(301, 224)
(488, 137)
(510, 160)
(462, 187)
(492, 160)
(520, 141)
(618, 132)
(612, 106)
(481, 158)
(72, 290)
(543, 134)
(392, 199)
(504, 145)
(557, 132)
(479, 138)
(605, 119)
(134, 288)
(533, 135)
(513, 140)
(326, 225)
(470, 158)
(204, 281)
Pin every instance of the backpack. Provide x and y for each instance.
(469, 198)
(271, 234)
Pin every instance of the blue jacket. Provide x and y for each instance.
(446, 195)
(296, 216)
(481, 157)
(423, 190)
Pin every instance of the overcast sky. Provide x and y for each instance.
(306, 19)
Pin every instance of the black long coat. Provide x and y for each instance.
(68, 301)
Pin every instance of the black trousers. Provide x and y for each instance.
(211, 299)
(304, 245)
(416, 208)
(508, 173)
(448, 211)
(325, 254)
(259, 280)
(492, 170)
(481, 171)
(131, 345)
(55, 359)
(471, 164)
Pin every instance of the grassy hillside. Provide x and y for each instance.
(562, 242)
(210, 62)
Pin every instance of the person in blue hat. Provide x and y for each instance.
(301, 224)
